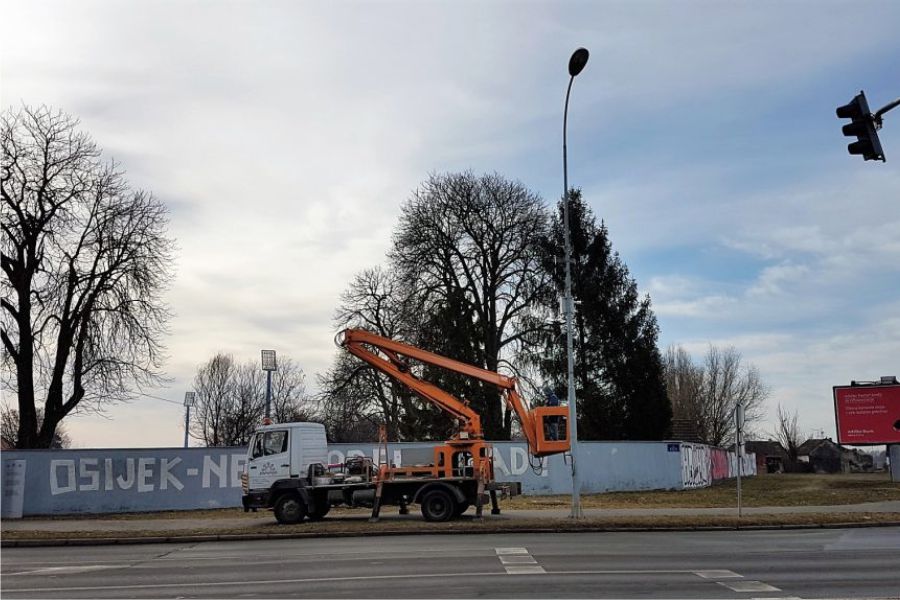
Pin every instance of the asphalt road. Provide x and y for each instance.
(720, 564)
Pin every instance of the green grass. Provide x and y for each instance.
(762, 490)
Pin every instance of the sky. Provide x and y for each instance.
(285, 136)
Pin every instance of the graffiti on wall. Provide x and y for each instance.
(695, 465)
(719, 464)
(747, 464)
(702, 465)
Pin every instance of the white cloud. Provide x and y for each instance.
(285, 136)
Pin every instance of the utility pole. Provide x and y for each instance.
(576, 65)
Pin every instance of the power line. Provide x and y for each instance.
(159, 398)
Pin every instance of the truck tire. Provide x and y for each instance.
(438, 505)
(322, 508)
(461, 507)
(290, 509)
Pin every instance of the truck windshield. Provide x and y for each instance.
(270, 442)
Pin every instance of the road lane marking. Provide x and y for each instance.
(517, 559)
(525, 570)
(67, 570)
(204, 584)
(151, 586)
(717, 574)
(511, 550)
(749, 586)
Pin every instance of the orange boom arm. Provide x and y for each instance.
(540, 439)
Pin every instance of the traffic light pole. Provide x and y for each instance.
(884, 109)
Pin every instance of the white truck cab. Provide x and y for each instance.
(278, 460)
(284, 451)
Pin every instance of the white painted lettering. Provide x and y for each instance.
(165, 474)
(218, 468)
(500, 463)
(335, 457)
(145, 473)
(237, 467)
(128, 481)
(107, 474)
(69, 466)
(518, 460)
(93, 474)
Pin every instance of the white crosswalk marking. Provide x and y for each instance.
(749, 586)
(717, 574)
(511, 550)
(517, 561)
(525, 570)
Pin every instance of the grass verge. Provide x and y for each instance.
(764, 490)
(357, 526)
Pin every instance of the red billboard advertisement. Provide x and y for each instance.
(867, 414)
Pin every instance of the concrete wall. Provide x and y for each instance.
(152, 479)
(134, 480)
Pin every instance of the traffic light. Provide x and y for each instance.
(863, 127)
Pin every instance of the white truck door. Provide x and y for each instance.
(269, 458)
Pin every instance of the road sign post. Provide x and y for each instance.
(739, 449)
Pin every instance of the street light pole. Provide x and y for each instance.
(576, 64)
(268, 365)
(188, 403)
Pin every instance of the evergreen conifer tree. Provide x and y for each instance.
(619, 383)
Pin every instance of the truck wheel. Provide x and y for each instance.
(438, 505)
(322, 508)
(290, 509)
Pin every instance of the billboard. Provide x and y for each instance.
(867, 414)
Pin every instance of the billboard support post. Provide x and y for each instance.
(894, 454)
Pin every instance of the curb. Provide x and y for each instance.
(236, 537)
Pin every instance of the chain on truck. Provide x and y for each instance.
(287, 468)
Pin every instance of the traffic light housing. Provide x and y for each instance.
(862, 126)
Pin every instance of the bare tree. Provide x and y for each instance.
(709, 393)
(213, 385)
(355, 397)
(290, 399)
(684, 386)
(353, 401)
(787, 432)
(470, 247)
(86, 259)
(9, 429)
(231, 399)
(728, 382)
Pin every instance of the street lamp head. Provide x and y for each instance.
(578, 61)
(189, 399)
(268, 361)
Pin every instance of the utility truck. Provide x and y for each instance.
(287, 467)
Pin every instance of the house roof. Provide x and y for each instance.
(807, 447)
(766, 448)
